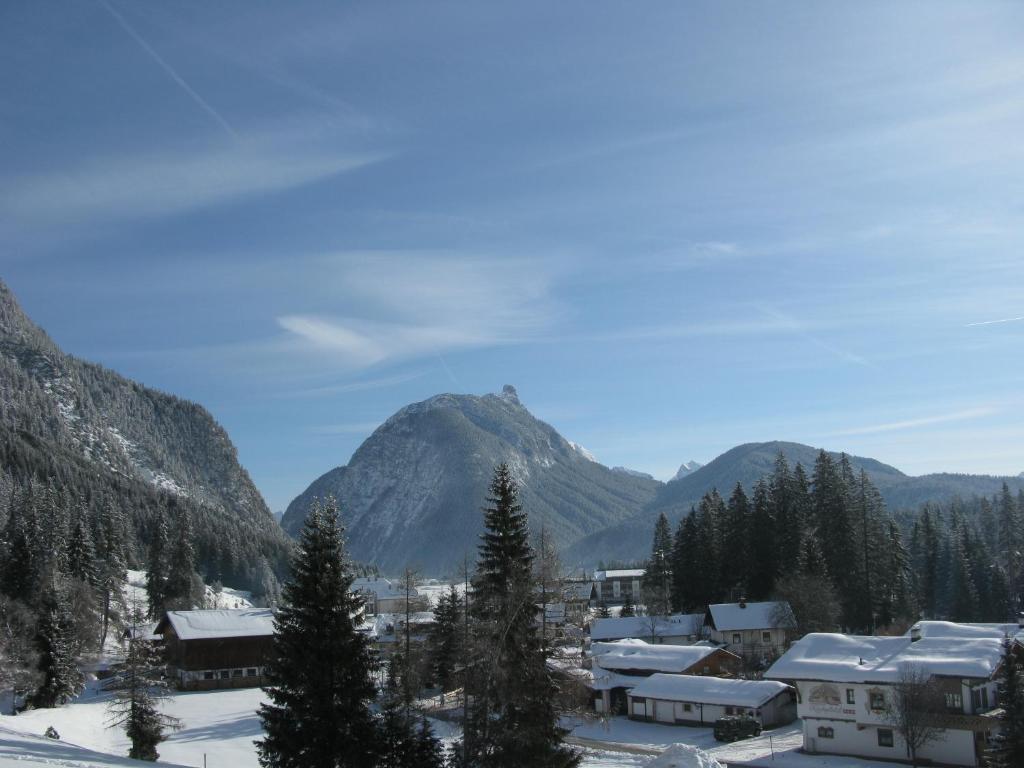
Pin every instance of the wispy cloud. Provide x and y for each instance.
(410, 305)
(363, 385)
(995, 322)
(171, 72)
(943, 418)
(130, 186)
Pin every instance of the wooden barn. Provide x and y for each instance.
(218, 648)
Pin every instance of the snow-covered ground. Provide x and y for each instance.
(222, 726)
(135, 595)
(20, 750)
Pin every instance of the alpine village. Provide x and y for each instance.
(266, 500)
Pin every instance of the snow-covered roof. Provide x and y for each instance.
(619, 628)
(211, 625)
(727, 617)
(629, 573)
(709, 690)
(636, 654)
(860, 659)
(380, 587)
(579, 591)
(951, 629)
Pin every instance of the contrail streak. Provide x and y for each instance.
(170, 70)
(993, 322)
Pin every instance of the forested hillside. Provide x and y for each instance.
(92, 441)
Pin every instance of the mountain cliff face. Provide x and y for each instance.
(746, 464)
(412, 492)
(94, 433)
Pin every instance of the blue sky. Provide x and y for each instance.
(675, 227)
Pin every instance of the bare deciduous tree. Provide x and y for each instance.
(916, 709)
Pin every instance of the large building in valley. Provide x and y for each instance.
(217, 649)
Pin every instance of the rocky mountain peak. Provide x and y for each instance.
(509, 395)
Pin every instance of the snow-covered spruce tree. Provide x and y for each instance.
(156, 568)
(404, 741)
(58, 652)
(512, 719)
(319, 678)
(136, 703)
(183, 588)
(657, 580)
(444, 646)
(1007, 750)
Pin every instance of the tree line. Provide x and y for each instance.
(827, 543)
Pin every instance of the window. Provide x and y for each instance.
(884, 737)
(826, 733)
(766, 637)
(224, 674)
(876, 700)
(208, 675)
(737, 638)
(850, 696)
(954, 702)
(728, 710)
(250, 672)
(236, 672)
(687, 708)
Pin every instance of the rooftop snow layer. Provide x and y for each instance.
(209, 625)
(709, 690)
(859, 659)
(728, 617)
(619, 628)
(631, 573)
(963, 631)
(633, 654)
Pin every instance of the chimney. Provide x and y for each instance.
(743, 602)
(915, 633)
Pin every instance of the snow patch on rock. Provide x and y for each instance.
(583, 452)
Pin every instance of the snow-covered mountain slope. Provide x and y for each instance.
(92, 434)
(413, 490)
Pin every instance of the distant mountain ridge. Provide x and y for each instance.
(86, 427)
(412, 492)
(746, 464)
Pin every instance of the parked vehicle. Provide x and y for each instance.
(736, 728)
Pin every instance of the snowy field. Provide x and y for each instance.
(222, 726)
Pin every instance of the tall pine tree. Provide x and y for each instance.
(319, 682)
(512, 719)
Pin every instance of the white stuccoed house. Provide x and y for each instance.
(845, 688)
(751, 630)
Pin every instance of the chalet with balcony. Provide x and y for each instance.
(217, 649)
(846, 687)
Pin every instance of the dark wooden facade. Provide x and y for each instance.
(206, 663)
